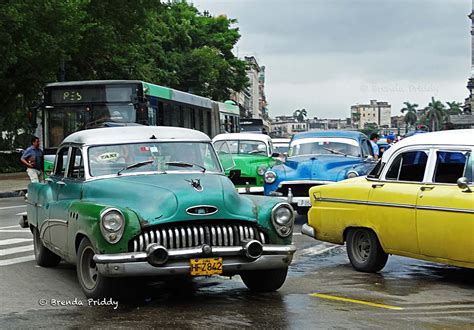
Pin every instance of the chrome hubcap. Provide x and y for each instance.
(89, 272)
(361, 246)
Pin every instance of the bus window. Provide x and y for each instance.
(160, 119)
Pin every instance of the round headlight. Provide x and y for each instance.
(261, 170)
(283, 215)
(352, 174)
(270, 176)
(112, 221)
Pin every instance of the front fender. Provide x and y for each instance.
(264, 206)
(85, 221)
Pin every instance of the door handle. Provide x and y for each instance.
(377, 185)
(61, 183)
(425, 188)
(48, 180)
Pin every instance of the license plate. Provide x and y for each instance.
(304, 202)
(206, 266)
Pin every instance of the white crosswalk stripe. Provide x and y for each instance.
(15, 250)
(14, 241)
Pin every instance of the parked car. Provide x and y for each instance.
(154, 201)
(281, 145)
(418, 202)
(253, 155)
(318, 158)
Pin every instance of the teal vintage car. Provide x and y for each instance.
(154, 201)
(252, 154)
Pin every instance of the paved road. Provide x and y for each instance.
(322, 291)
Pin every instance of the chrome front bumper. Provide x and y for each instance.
(247, 190)
(178, 262)
(308, 231)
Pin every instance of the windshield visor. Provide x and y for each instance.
(110, 159)
(325, 146)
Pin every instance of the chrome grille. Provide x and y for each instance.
(192, 235)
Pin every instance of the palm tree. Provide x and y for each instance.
(435, 113)
(356, 117)
(410, 117)
(454, 108)
(300, 115)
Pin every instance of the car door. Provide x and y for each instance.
(392, 201)
(445, 212)
(58, 208)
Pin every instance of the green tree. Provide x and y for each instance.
(435, 113)
(35, 37)
(410, 116)
(300, 115)
(454, 108)
(167, 43)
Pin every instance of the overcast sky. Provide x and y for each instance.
(325, 55)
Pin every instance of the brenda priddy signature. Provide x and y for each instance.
(78, 302)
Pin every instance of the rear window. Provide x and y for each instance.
(450, 166)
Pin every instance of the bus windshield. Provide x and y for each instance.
(64, 120)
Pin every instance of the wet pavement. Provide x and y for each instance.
(322, 291)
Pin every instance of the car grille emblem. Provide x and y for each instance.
(196, 183)
(201, 210)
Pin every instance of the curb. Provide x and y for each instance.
(16, 193)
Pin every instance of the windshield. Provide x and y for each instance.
(281, 149)
(65, 120)
(248, 147)
(325, 146)
(165, 156)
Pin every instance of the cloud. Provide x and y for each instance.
(319, 53)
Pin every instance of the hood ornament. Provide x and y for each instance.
(196, 183)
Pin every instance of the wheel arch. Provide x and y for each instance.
(346, 231)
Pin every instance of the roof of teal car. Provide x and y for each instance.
(127, 134)
(339, 134)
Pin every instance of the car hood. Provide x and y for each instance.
(248, 164)
(319, 167)
(161, 198)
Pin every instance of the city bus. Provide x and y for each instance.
(76, 105)
(254, 125)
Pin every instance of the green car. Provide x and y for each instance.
(252, 155)
(154, 201)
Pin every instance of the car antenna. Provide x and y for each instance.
(153, 137)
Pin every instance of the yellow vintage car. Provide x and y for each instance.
(417, 202)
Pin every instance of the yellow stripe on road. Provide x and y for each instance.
(354, 301)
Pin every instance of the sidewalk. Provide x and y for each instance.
(13, 184)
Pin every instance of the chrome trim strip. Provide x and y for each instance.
(445, 209)
(407, 206)
(315, 182)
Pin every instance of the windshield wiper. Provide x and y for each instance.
(135, 165)
(334, 151)
(184, 164)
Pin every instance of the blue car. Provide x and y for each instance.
(317, 158)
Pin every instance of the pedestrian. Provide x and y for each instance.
(374, 137)
(390, 141)
(32, 158)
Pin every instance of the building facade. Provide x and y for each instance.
(376, 112)
(286, 127)
(252, 100)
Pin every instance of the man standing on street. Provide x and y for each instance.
(33, 159)
(374, 137)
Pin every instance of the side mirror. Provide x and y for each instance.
(463, 184)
